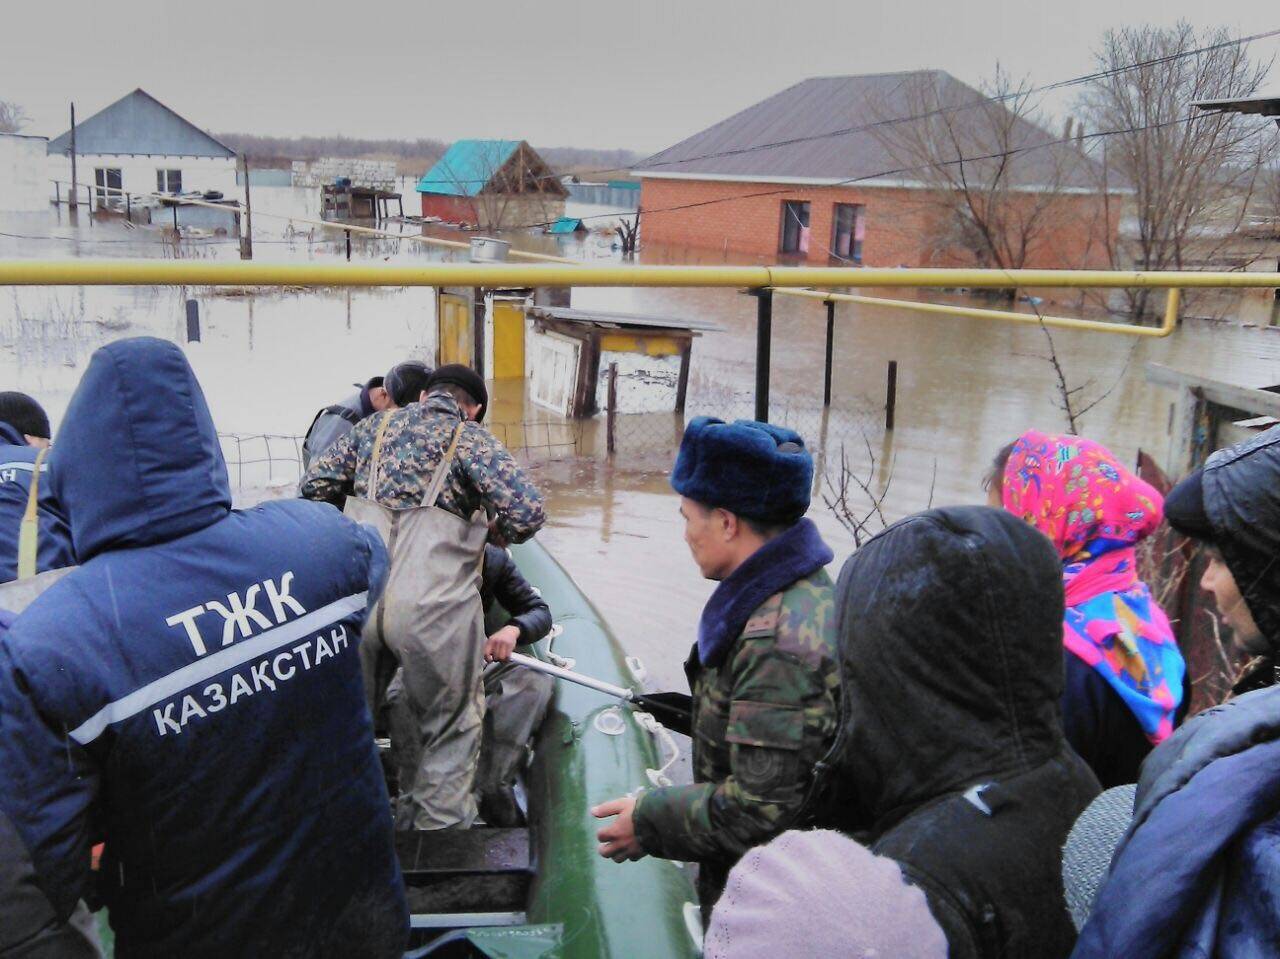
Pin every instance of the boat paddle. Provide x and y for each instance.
(673, 710)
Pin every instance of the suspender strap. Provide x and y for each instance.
(375, 459)
(29, 532)
(442, 470)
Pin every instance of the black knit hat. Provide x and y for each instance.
(24, 414)
(1184, 508)
(464, 376)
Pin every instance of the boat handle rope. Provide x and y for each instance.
(658, 777)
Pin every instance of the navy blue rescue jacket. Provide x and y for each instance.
(1196, 874)
(191, 694)
(17, 466)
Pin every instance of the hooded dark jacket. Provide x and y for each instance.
(1196, 874)
(1205, 838)
(951, 753)
(1241, 488)
(17, 463)
(191, 694)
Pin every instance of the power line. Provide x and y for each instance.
(649, 162)
(894, 172)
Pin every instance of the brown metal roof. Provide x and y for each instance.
(823, 129)
(1264, 104)
(622, 320)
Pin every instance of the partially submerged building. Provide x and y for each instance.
(809, 174)
(493, 184)
(139, 145)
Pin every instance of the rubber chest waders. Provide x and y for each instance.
(430, 622)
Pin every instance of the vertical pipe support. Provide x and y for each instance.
(831, 333)
(764, 346)
(891, 395)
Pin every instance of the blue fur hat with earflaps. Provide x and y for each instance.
(753, 469)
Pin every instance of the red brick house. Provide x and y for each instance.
(809, 176)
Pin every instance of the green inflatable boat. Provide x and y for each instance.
(544, 892)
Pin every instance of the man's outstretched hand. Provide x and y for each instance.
(618, 839)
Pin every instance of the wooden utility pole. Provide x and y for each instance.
(71, 200)
(246, 239)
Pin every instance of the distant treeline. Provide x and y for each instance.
(412, 156)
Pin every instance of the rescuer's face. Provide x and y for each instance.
(709, 539)
(1219, 580)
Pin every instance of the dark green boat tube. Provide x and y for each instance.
(632, 910)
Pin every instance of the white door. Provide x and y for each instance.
(554, 370)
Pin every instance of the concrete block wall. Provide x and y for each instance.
(373, 174)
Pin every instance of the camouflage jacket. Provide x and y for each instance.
(761, 721)
(483, 474)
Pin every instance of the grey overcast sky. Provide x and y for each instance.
(639, 75)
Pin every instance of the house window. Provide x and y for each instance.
(848, 226)
(795, 227)
(168, 181)
(107, 180)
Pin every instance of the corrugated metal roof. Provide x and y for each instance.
(1268, 105)
(467, 166)
(602, 318)
(138, 123)
(796, 134)
(567, 224)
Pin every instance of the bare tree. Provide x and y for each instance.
(508, 188)
(12, 117)
(994, 178)
(1075, 401)
(1192, 174)
(857, 501)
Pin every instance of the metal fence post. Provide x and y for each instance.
(611, 417)
(831, 332)
(891, 395)
(764, 344)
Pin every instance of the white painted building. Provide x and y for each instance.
(139, 145)
(24, 185)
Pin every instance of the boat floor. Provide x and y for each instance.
(459, 878)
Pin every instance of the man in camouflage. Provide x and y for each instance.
(428, 477)
(764, 671)
(483, 474)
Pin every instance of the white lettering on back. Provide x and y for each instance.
(280, 598)
(164, 720)
(236, 619)
(188, 619)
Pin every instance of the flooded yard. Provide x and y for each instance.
(268, 359)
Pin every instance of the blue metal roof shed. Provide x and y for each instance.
(140, 125)
(467, 167)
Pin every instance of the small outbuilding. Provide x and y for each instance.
(493, 184)
(569, 353)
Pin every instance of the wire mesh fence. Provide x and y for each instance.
(274, 460)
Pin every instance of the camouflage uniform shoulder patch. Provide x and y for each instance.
(764, 621)
(806, 626)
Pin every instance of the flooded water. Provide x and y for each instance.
(269, 359)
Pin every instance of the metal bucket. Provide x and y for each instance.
(485, 249)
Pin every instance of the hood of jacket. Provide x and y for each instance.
(1202, 843)
(10, 436)
(138, 460)
(950, 626)
(1242, 500)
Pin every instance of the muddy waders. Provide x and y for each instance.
(429, 621)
